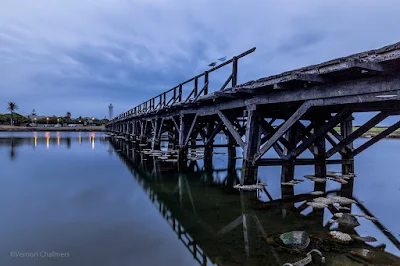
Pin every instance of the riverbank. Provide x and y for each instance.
(72, 129)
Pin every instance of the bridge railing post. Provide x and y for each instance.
(234, 71)
(206, 83)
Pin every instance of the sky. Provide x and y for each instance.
(80, 56)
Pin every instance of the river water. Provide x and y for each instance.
(85, 199)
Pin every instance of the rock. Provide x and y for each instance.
(317, 205)
(323, 200)
(295, 239)
(250, 187)
(364, 254)
(366, 217)
(348, 220)
(340, 237)
(365, 238)
(338, 215)
(317, 193)
(341, 200)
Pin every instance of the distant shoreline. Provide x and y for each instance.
(4, 128)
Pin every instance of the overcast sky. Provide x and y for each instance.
(79, 56)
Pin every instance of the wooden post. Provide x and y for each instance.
(252, 145)
(319, 151)
(234, 71)
(346, 128)
(180, 93)
(156, 140)
(209, 148)
(196, 85)
(206, 83)
(165, 99)
(183, 130)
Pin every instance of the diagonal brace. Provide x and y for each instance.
(375, 139)
(356, 134)
(231, 129)
(285, 127)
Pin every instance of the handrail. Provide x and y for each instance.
(177, 97)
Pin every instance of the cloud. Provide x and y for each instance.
(59, 56)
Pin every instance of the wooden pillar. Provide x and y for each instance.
(183, 131)
(208, 149)
(346, 128)
(156, 135)
(320, 150)
(252, 146)
(231, 146)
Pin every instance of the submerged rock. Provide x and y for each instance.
(317, 193)
(348, 220)
(317, 205)
(365, 238)
(364, 254)
(340, 237)
(338, 215)
(295, 239)
(250, 187)
(323, 200)
(341, 200)
(366, 217)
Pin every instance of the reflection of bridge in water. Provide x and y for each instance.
(219, 225)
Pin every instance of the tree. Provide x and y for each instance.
(12, 107)
(67, 118)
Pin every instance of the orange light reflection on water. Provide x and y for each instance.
(47, 135)
(92, 135)
(35, 139)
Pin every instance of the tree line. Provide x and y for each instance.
(13, 118)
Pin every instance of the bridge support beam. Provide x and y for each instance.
(251, 147)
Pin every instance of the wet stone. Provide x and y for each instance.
(295, 239)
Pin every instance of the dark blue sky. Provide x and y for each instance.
(79, 56)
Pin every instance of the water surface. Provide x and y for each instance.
(98, 201)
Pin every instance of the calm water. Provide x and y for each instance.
(94, 201)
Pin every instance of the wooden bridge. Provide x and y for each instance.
(295, 114)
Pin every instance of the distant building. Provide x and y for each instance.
(110, 111)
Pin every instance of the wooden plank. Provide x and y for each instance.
(358, 133)
(375, 139)
(231, 129)
(301, 161)
(285, 127)
(191, 129)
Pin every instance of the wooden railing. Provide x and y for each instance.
(175, 95)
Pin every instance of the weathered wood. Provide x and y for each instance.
(231, 129)
(234, 71)
(191, 129)
(216, 130)
(270, 129)
(175, 123)
(279, 133)
(299, 161)
(227, 82)
(253, 139)
(375, 139)
(319, 132)
(358, 133)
